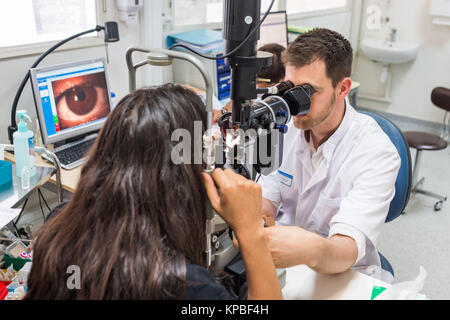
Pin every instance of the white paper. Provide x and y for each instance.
(7, 215)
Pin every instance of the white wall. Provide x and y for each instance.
(412, 82)
(340, 22)
(13, 70)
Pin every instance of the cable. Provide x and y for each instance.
(20, 216)
(40, 205)
(21, 211)
(235, 49)
(46, 204)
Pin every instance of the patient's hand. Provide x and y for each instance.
(239, 201)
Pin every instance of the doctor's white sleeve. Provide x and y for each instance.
(271, 188)
(352, 232)
(366, 205)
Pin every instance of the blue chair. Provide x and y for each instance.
(404, 177)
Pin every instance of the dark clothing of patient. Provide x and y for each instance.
(202, 286)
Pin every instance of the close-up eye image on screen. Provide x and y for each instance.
(72, 103)
(80, 99)
(71, 99)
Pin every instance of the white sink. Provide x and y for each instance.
(390, 52)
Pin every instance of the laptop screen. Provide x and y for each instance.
(71, 99)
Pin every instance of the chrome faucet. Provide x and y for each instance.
(393, 35)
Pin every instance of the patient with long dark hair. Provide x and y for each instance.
(135, 227)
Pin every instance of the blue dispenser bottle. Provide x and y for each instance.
(24, 146)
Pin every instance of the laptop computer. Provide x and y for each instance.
(72, 102)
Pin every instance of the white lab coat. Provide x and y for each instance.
(345, 187)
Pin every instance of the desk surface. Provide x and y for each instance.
(69, 178)
(302, 283)
(12, 194)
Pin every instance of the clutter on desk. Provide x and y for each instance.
(14, 256)
(16, 249)
(13, 284)
(17, 255)
(2, 254)
(7, 275)
(15, 267)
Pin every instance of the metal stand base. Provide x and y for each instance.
(417, 185)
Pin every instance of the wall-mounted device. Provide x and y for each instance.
(440, 10)
(129, 11)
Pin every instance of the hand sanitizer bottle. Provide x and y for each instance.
(24, 146)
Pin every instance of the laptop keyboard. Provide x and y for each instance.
(75, 152)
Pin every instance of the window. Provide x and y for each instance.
(307, 6)
(196, 12)
(36, 21)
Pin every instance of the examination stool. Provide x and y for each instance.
(422, 141)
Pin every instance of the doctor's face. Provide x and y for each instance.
(324, 98)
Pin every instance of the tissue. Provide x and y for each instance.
(408, 290)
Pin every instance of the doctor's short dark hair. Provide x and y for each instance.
(322, 44)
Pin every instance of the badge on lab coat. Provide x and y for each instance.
(285, 178)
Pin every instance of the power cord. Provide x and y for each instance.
(40, 205)
(20, 231)
(46, 204)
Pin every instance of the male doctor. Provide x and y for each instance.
(331, 195)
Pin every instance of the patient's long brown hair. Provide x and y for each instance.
(135, 216)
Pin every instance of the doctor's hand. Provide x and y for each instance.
(269, 213)
(238, 200)
(291, 246)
